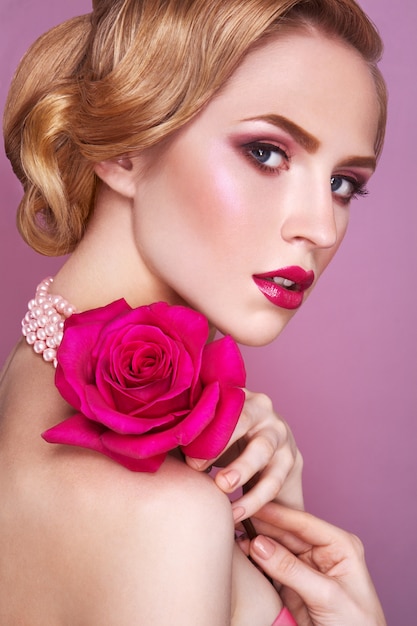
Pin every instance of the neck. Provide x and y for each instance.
(107, 264)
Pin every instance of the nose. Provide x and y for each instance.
(311, 217)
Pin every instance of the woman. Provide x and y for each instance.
(163, 143)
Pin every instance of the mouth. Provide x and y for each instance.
(285, 287)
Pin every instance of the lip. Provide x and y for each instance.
(279, 295)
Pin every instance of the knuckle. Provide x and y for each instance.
(283, 431)
(289, 566)
(266, 445)
(263, 402)
(357, 546)
(299, 460)
(327, 593)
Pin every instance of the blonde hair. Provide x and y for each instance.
(127, 76)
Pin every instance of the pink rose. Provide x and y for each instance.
(145, 381)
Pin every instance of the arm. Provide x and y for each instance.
(322, 564)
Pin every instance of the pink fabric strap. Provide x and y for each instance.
(285, 619)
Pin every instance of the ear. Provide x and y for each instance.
(119, 174)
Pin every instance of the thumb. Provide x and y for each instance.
(287, 569)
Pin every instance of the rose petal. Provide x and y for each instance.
(213, 439)
(179, 435)
(79, 431)
(100, 412)
(147, 383)
(181, 377)
(223, 361)
(81, 333)
(189, 326)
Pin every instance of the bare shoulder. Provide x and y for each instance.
(96, 484)
(142, 542)
(85, 541)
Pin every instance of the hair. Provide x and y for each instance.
(127, 76)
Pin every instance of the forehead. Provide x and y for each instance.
(320, 83)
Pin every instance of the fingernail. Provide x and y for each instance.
(232, 478)
(238, 513)
(197, 464)
(263, 547)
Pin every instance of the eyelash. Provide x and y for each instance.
(249, 148)
(358, 188)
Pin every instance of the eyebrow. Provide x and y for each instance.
(358, 161)
(308, 141)
(301, 136)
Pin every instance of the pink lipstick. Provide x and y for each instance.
(285, 287)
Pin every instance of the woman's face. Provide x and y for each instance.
(241, 212)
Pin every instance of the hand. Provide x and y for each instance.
(261, 454)
(322, 564)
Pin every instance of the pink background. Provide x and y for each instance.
(344, 372)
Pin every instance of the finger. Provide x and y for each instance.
(244, 425)
(264, 449)
(284, 537)
(258, 413)
(268, 484)
(296, 606)
(303, 525)
(200, 465)
(244, 545)
(249, 503)
(283, 566)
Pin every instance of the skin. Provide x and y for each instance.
(196, 212)
(203, 205)
(322, 566)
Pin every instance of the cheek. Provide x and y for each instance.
(206, 192)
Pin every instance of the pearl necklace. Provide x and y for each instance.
(43, 324)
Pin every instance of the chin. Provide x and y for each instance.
(259, 332)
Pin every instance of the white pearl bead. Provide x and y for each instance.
(43, 324)
(49, 355)
(31, 338)
(50, 329)
(51, 343)
(39, 346)
(43, 320)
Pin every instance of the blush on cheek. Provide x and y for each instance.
(226, 193)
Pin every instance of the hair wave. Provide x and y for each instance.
(126, 77)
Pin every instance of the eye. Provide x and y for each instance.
(268, 157)
(346, 188)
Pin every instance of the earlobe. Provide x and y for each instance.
(118, 174)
